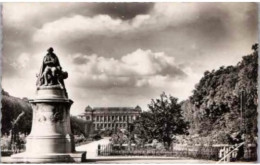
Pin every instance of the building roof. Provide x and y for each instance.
(114, 109)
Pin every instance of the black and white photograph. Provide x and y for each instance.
(129, 82)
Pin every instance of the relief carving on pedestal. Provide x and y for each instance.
(42, 118)
(57, 115)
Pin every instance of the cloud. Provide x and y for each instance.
(80, 26)
(21, 62)
(175, 14)
(38, 13)
(124, 11)
(77, 27)
(137, 69)
(206, 24)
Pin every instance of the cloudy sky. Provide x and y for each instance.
(124, 54)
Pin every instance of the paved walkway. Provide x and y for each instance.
(132, 160)
(91, 148)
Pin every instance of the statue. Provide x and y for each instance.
(51, 72)
(51, 139)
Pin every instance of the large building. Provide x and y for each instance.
(111, 117)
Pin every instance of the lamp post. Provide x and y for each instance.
(115, 126)
(242, 113)
(129, 133)
(243, 121)
(92, 121)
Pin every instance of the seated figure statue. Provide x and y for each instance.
(51, 72)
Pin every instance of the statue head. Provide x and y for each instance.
(50, 50)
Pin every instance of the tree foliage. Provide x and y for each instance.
(11, 108)
(163, 121)
(214, 109)
(80, 126)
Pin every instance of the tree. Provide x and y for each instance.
(214, 108)
(11, 108)
(163, 121)
(80, 126)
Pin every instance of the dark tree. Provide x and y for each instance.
(80, 126)
(215, 108)
(163, 121)
(11, 108)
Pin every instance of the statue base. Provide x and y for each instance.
(50, 139)
(25, 157)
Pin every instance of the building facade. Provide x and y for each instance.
(111, 117)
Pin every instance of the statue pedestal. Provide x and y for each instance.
(50, 139)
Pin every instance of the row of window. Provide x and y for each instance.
(111, 118)
(110, 125)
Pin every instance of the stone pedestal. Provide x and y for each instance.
(50, 139)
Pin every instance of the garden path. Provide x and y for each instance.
(91, 148)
